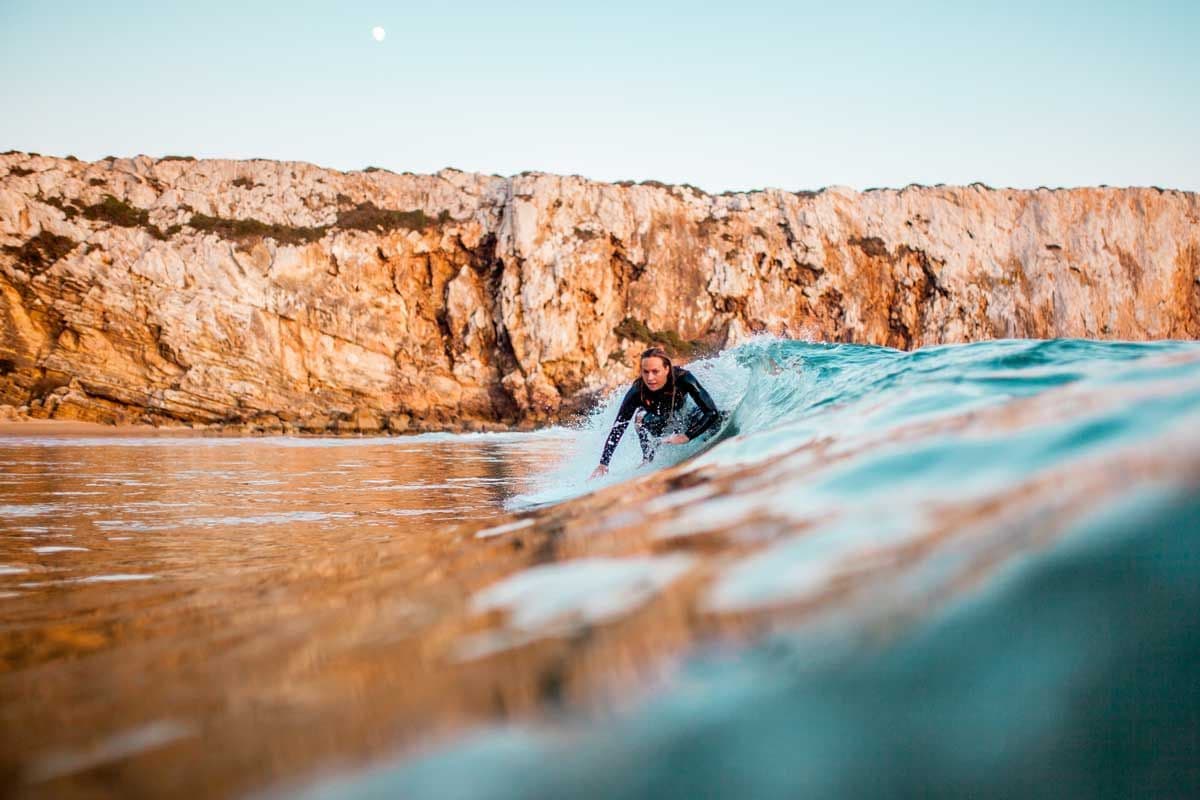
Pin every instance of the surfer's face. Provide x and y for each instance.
(654, 373)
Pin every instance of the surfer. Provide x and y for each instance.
(654, 402)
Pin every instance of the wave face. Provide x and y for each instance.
(966, 570)
(783, 395)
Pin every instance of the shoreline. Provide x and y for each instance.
(12, 429)
(51, 427)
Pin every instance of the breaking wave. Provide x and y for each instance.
(781, 395)
(984, 562)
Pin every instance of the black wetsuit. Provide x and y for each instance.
(660, 409)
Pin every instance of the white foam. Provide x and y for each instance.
(500, 530)
(114, 748)
(712, 515)
(115, 482)
(783, 573)
(116, 578)
(422, 512)
(725, 378)
(555, 598)
(800, 567)
(7, 569)
(277, 518)
(58, 549)
(33, 510)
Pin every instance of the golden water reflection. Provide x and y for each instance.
(255, 599)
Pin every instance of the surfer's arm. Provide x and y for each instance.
(708, 416)
(628, 406)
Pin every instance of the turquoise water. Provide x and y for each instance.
(782, 395)
(996, 549)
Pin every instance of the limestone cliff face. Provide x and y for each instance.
(282, 295)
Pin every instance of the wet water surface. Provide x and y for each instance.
(159, 595)
(966, 570)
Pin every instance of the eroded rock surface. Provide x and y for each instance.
(284, 296)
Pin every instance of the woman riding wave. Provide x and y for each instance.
(655, 402)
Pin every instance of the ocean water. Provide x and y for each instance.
(969, 570)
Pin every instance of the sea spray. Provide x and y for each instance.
(779, 394)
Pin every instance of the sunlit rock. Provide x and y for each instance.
(216, 292)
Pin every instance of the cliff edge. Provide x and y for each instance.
(284, 296)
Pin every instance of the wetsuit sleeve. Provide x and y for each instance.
(709, 415)
(628, 406)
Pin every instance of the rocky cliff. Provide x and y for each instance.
(285, 296)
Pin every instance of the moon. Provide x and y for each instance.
(378, 33)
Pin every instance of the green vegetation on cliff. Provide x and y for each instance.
(638, 331)
(40, 252)
(240, 230)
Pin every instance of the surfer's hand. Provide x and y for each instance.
(598, 472)
(677, 438)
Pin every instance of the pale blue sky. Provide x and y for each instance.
(794, 95)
